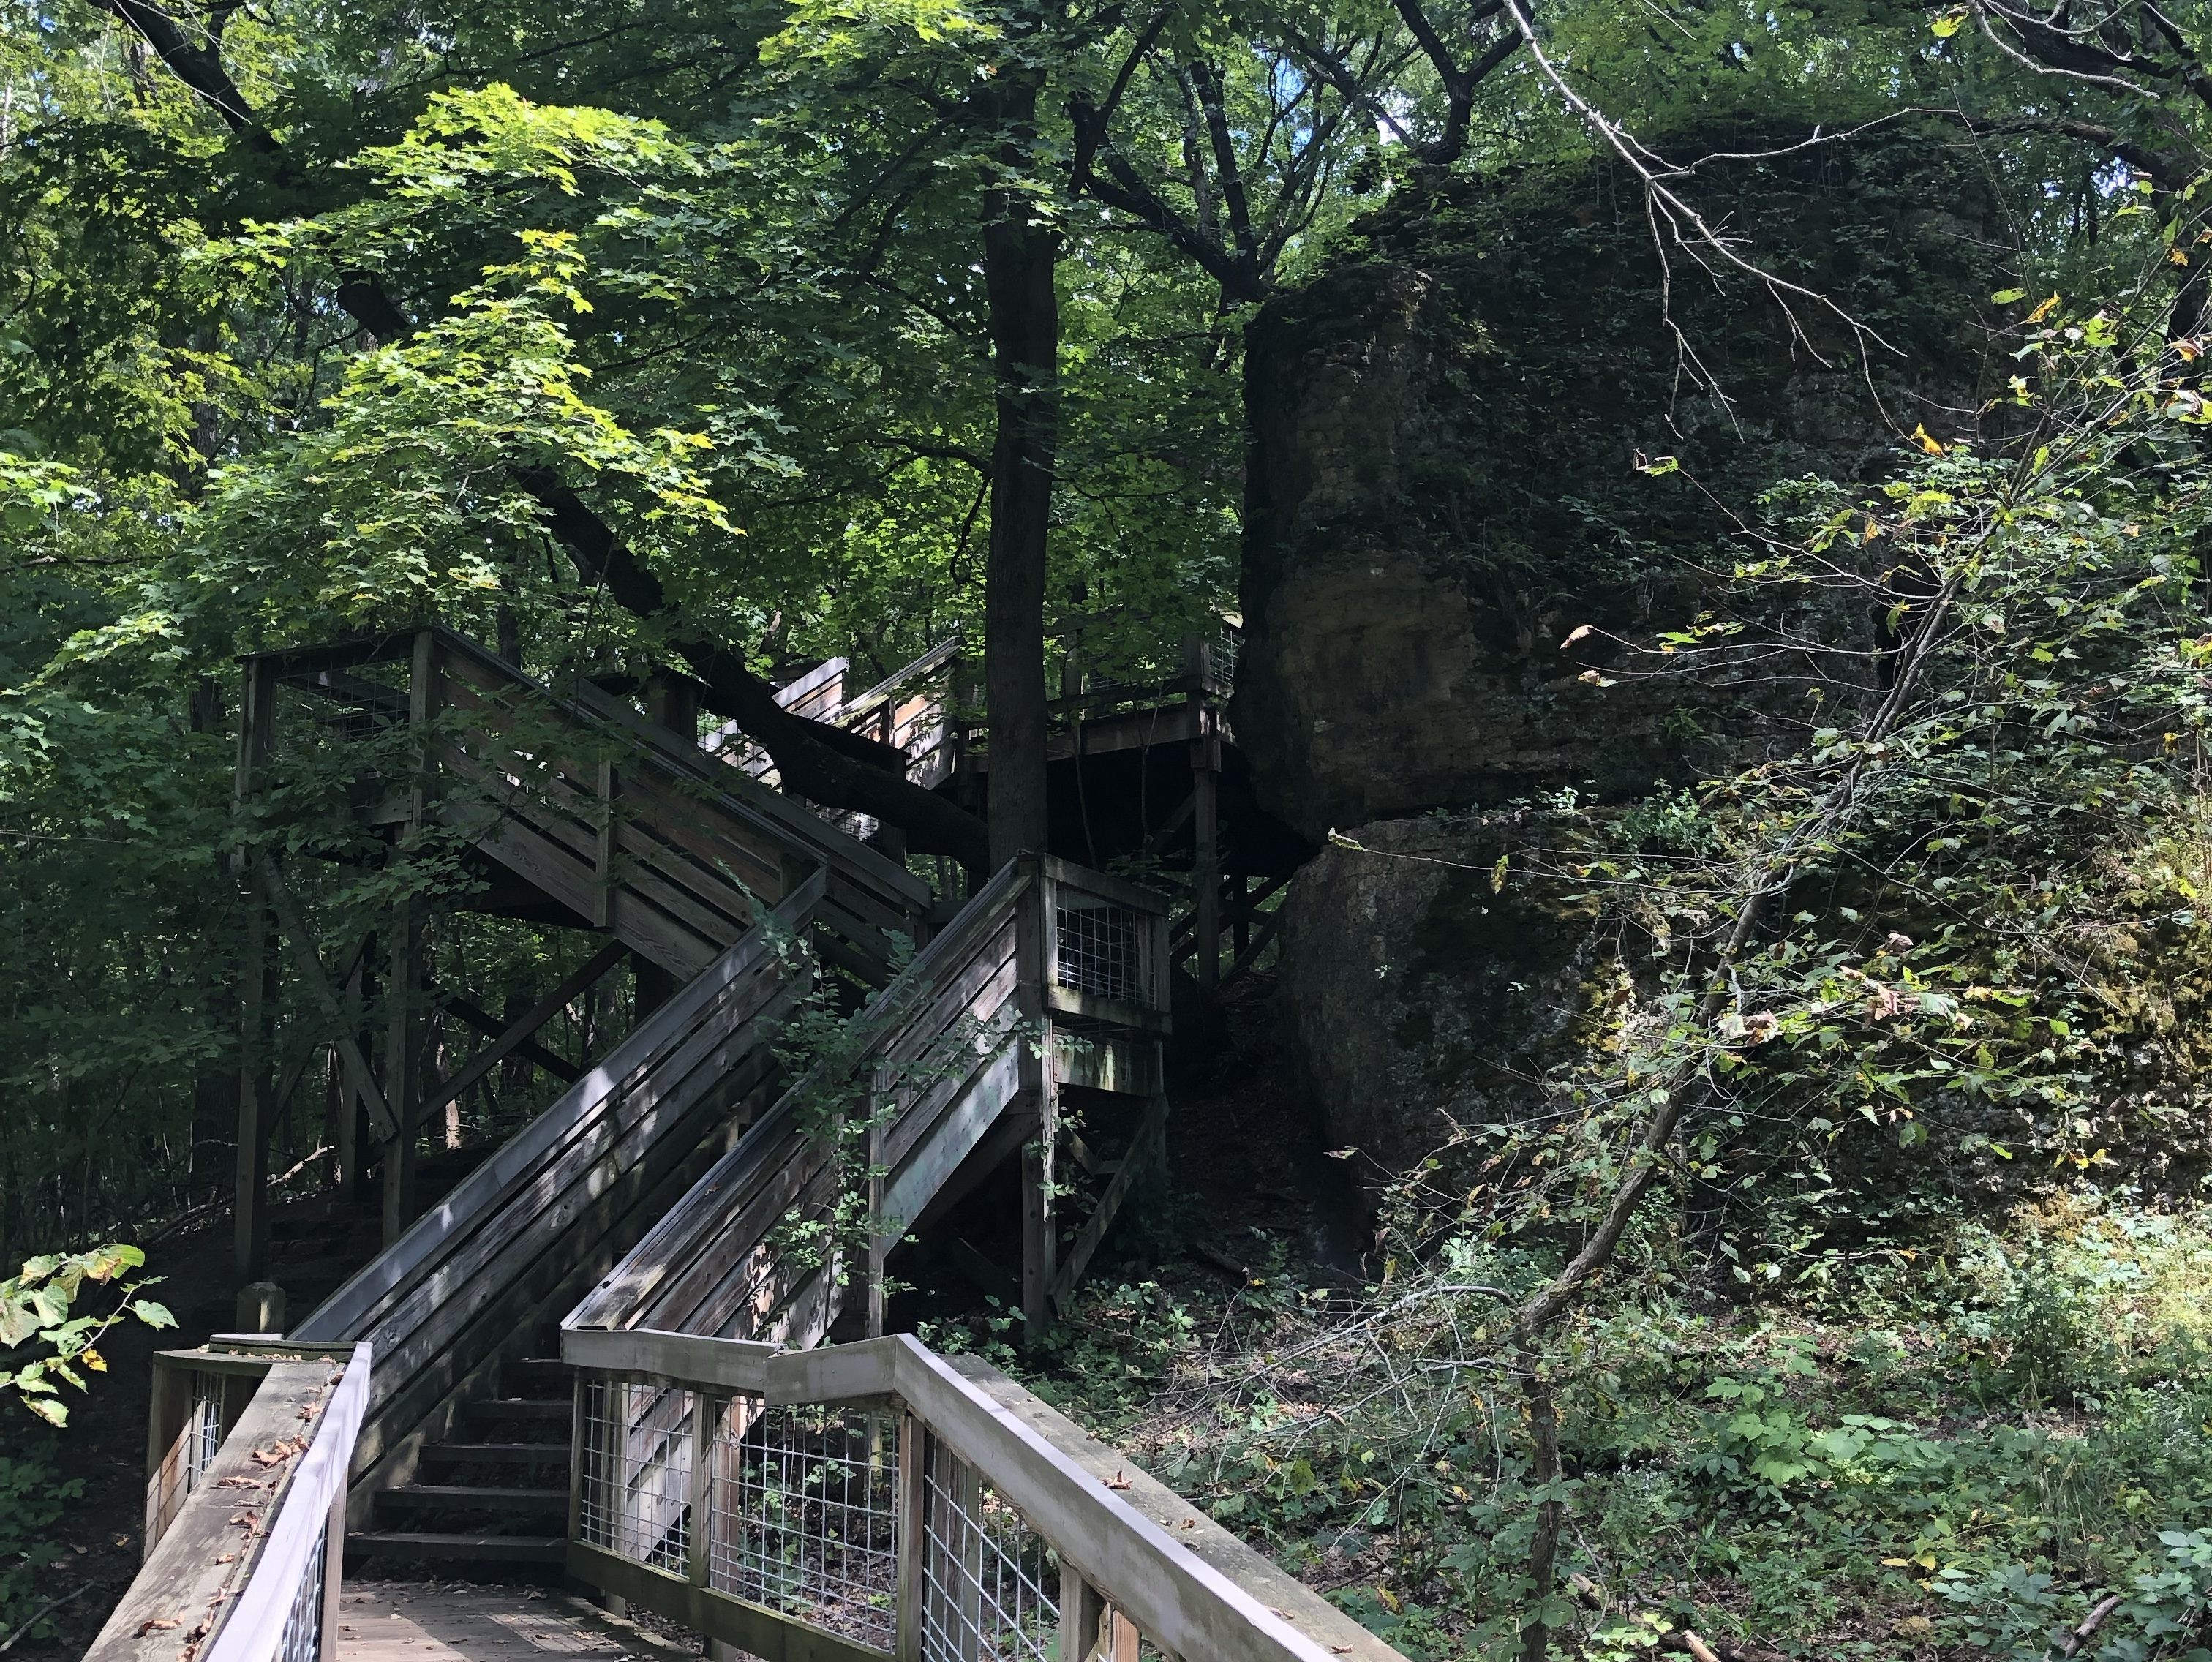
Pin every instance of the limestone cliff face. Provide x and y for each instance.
(1443, 482)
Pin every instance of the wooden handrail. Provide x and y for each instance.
(526, 1232)
(743, 797)
(1191, 1587)
(936, 658)
(224, 1580)
(355, 1302)
(979, 1004)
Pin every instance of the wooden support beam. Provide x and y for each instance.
(911, 1536)
(404, 997)
(257, 988)
(403, 1067)
(1156, 844)
(328, 1002)
(1035, 951)
(357, 1130)
(1250, 955)
(1147, 1146)
(256, 1102)
(654, 986)
(1206, 867)
(473, 1015)
(514, 1038)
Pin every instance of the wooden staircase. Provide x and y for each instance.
(661, 1188)
(494, 1494)
(1051, 979)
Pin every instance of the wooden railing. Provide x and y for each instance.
(870, 1500)
(475, 1280)
(621, 821)
(907, 710)
(246, 1489)
(1050, 977)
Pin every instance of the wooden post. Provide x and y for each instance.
(1035, 955)
(672, 700)
(966, 1577)
(168, 1420)
(1206, 867)
(334, 1535)
(403, 1067)
(353, 1112)
(403, 987)
(879, 1243)
(1081, 1610)
(603, 852)
(699, 1536)
(256, 1090)
(652, 986)
(257, 985)
(912, 1536)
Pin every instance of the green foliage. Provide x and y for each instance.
(41, 1343)
(33, 1500)
(1842, 1488)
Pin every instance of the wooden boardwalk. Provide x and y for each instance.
(458, 1621)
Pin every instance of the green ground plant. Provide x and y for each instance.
(1967, 1463)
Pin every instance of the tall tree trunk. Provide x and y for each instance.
(1020, 248)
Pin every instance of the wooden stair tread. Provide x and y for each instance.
(521, 1549)
(524, 1408)
(465, 1494)
(517, 1453)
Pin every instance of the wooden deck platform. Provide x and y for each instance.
(458, 1622)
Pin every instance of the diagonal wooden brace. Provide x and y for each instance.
(517, 1037)
(382, 1122)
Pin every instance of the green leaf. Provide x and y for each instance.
(152, 1313)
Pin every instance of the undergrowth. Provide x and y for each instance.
(1961, 1454)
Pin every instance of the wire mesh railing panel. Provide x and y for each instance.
(302, 1639)
(990, 1583)
(803, 1516)
(1227, 647)
(1103, 948)
(203, 1428)
(634, 1494)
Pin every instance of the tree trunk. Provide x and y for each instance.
(1020, 248)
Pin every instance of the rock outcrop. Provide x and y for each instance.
(1447, 425)
(1425, 998)
(1444, 487)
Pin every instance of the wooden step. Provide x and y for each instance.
(483, 1548)
(475, 1497)
(495, 1454)
(540, 1410)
